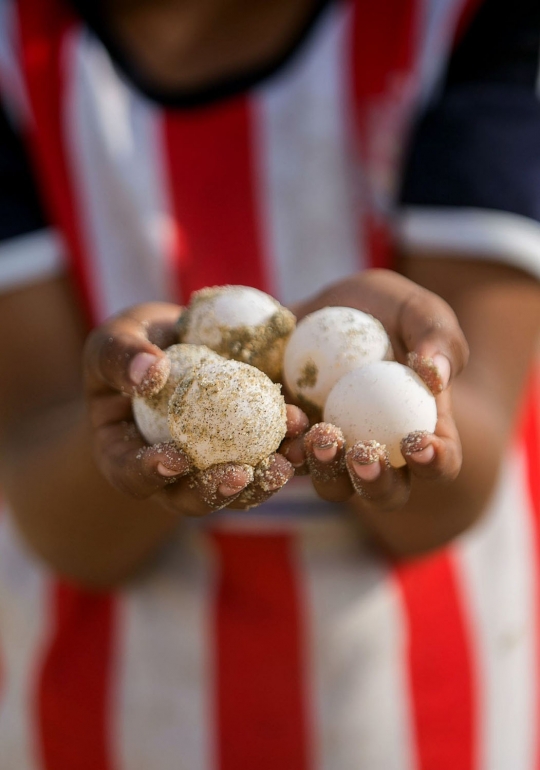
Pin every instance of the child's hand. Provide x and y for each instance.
(425, 334)
(123, 358)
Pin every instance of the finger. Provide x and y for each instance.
(416, 320)
(379, 485)
(269, 477)
(325, 452)
(435, 372)
(133, 467)
(209, 490)
(297, 421)
(221, 484)
(292, 447)
(438, 456)
(430, 333)
(122, 353)
(293, 450)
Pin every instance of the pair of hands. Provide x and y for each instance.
(124, 357)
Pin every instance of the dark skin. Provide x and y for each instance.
(46, 437)
(114, 351)
(189, 44)
(432, 501)
(60, 449)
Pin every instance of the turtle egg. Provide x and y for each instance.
(326, 345)
(226, 411)
(384, 402)
(151, 412)
(240, 323)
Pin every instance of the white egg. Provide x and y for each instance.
(384, 402)
(241, 323)
(326, 345)
(227, 411)
(151, 412)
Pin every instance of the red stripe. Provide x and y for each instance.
(43, 29)
(466, 16)
(439, 665)
(73, 691)
(261, 719)
(530, 431)
(213, 197)
(383, 59)
(385, 38)
(72, 695)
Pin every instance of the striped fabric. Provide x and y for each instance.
(273, 639)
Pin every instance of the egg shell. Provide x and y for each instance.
(383, 402)
(227, 411)
(239, 323)
(152, 412)
(328, 344)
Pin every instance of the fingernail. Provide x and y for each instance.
(226, 483)
(365, 457)
(217, 484)
(369, 472)
(140, 366)
(149, 373)
(228, 491)
(366, 452)
(434, 371)
(325, 453)
(164, 471)
(273, 473)
(443, 367)
(413, 442)
(425, 455)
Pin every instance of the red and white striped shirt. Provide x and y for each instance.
(274, 639)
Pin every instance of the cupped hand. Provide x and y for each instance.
(425, 335)
(124, 358)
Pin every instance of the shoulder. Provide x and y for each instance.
(472, 178)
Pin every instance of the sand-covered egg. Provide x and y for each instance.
(151, 413)
(384, 402)
(227, 411)
(328, 344)
(239, 323)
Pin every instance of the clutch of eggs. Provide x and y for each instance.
(326, 345)
(383, 401)
(239, 323)
(215, 410)
(218, 410)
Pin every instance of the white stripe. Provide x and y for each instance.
(359, 688)
(30, 258)
(483, 234)
(164, 670)
(498, 575)
(23, 629)
(306, 180)
(114, 140)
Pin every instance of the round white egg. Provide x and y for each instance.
(152, 412)
(240, 323)
(383, 402)
(227, 411)
(328, 344)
